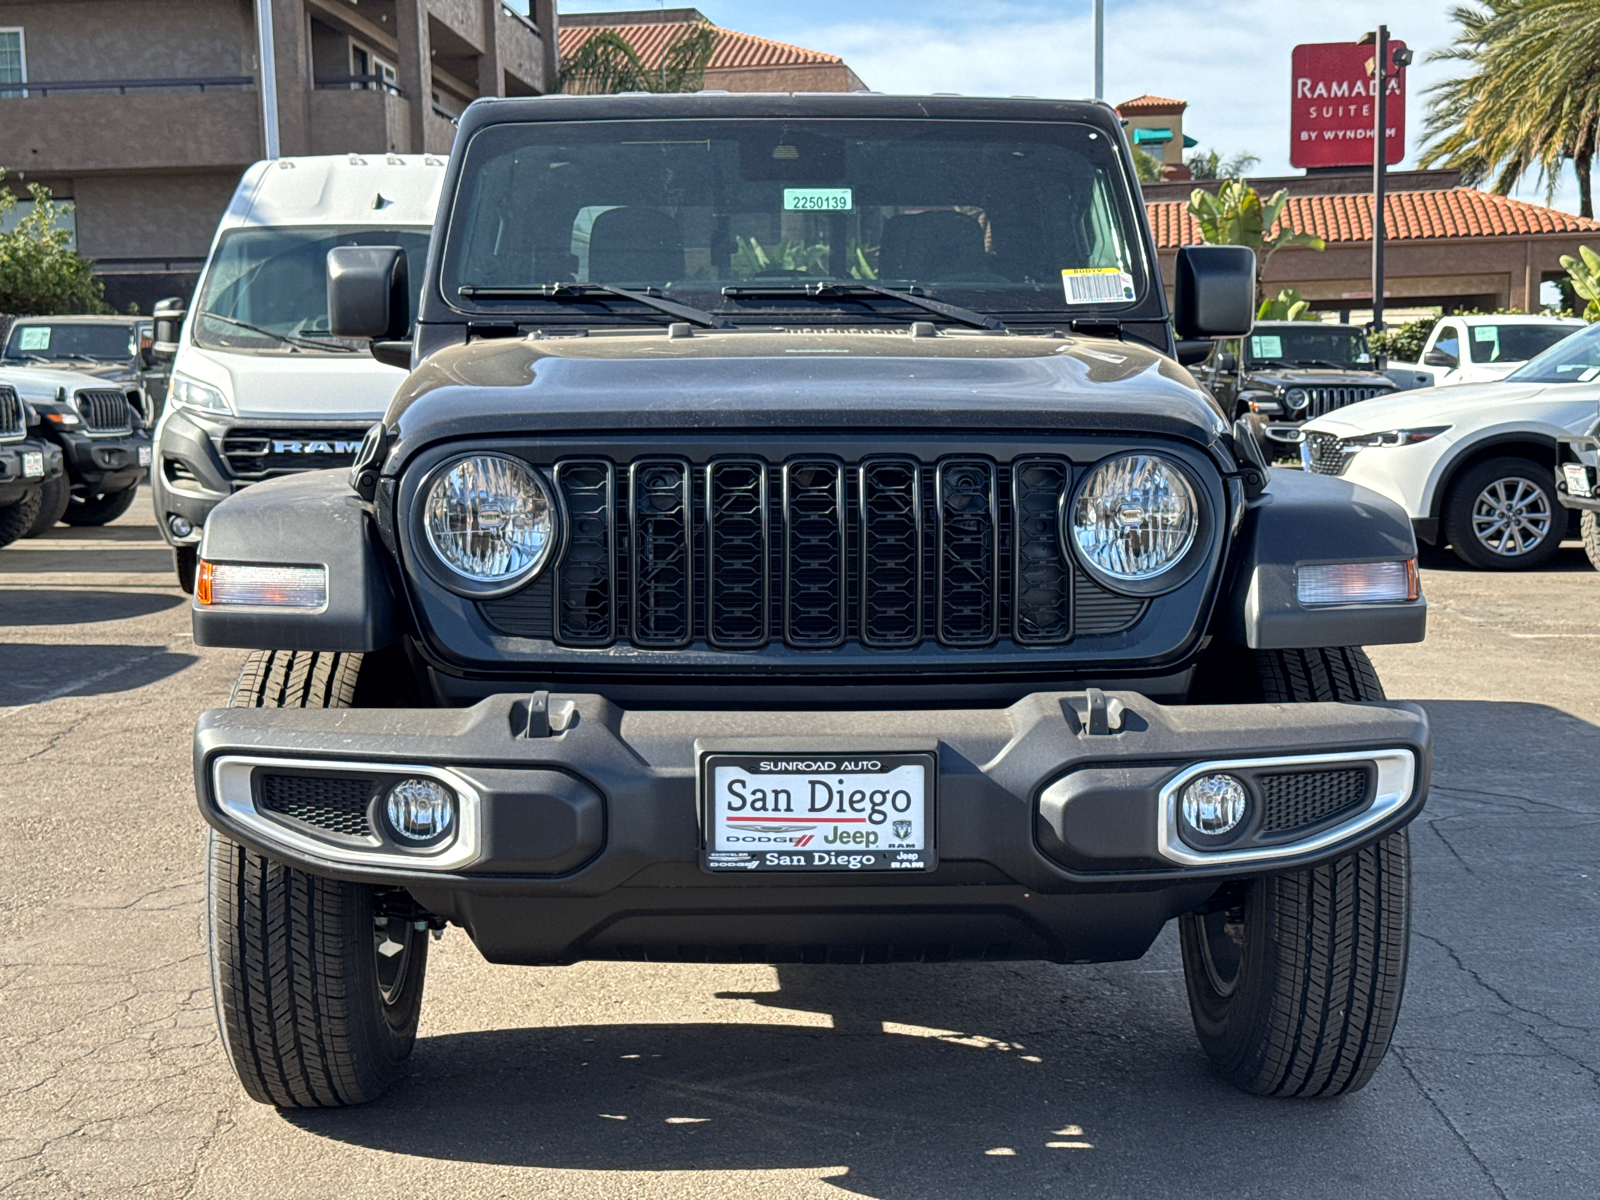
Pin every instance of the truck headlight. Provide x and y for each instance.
(1134, 518)
(1296, 399)
(191, 393)
(490, 521)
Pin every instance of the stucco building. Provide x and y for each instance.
(144, 114)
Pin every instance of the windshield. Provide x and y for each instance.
(72, 340)
(1312, 346)
(276, 281)
(1514, 343)
(1008, 217)
(1574, 359)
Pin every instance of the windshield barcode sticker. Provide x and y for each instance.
(815, 199)
(1097, 285)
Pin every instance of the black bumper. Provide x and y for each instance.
(15, 482)
(100, 464)
(1054, 842)
(1577, 481)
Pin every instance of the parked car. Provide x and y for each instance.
(1287, 372)
(1578, 486)
(98, 426)
(260, 385)
(1480, 349)
(688, 604)
(1472, 465)
(116, 349)
(27, 466)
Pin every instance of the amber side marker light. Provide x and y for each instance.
(219, 584)
(1359, 583)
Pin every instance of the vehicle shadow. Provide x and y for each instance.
(1569, 559)
(61, 606)
(32, 671)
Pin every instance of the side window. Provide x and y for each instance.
(1449, 341)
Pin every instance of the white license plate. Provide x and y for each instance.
(144, 456)
(818, 812)
(1577, 479)
(32, 464)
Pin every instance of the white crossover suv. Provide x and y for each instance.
(1473, 465)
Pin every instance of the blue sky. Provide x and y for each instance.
(1228, 58)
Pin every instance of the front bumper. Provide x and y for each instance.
(15, 457)
(100, 464)
(1054, 820)
(1577, 475)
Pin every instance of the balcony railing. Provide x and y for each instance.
(29, 87)
(358, 83)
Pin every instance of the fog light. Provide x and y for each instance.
(261, 587)
(1213, 804)
(181, 526)
(421, 810)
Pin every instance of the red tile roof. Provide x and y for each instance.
(1408, 216)
(1149, 103)
(734, 49)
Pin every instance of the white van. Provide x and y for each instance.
(260, 387)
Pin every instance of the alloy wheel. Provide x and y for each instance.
(1511, 516)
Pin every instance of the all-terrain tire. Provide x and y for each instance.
(1460, 505)
(16, 519)
(99, 510)
(305, 1015)
(1589, 527)
(53, 500)
(1295, 982)
(186, 564)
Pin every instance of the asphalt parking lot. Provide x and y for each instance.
(1012, 1080)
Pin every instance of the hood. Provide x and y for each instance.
(1307, 378)
(346, 386)
(800, 379)
(45, 383)
(1464, 404)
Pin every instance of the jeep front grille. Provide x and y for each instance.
(261, 453)
(1325, 454)
(1326, 399)
(813, 553)
(104, 411)
(12, 427)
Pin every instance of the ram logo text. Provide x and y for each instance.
(315, 447)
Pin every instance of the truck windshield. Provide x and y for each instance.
(267, 289)
(1513, 343)
(1574, 359)
(1312, 346)
(72, 340)
(747, 217)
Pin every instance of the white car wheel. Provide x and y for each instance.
(1501, 515)
(1511, 516)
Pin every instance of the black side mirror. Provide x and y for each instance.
(1214, 292)
(1440, 358)
(1227, 362)
(368, 293)
(167, 318)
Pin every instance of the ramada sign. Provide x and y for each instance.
(1331, 112)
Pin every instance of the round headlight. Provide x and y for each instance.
(1296, 398)
(1133, 519)
(490, 520)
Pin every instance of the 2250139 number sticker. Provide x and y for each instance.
(818, 199)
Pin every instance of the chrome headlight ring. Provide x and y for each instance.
(505, 515)
(1186, 552)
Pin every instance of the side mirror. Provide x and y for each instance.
(167, 317)
(1214, 292)
(1440, 358)
(368, 293)
(1227, 362)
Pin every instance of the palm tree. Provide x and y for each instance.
(1209, 164)
(607, 63)
(1530, 100)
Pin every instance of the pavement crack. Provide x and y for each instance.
(1433, 824)
(1422, 1089)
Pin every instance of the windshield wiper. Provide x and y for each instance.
(566, 291)
(828, 291)
(286, 339)
(1322, 362)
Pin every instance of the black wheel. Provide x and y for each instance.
(16, 519)
(1295, 980)
(317, 993)
(1589, 527)
(1501, 515)
(99, 510)
(53, 499)
(186, 562)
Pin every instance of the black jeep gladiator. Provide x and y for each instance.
(798, 542)
(30, 466)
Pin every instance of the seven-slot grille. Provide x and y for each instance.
(11, 422)
(104, 410)
(1325, 455)
(813, 553)
(1326, 399)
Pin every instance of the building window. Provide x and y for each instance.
(379, 75)
(13, 63)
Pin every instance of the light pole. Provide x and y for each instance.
(1099, 49)
(1379, 41)
(269, 77)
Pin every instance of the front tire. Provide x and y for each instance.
(16, 519)
(1589, 526)
(1295, 980)
(53, 500)
(186, 563)
(318, 993)
(1501, 515)
(99, 510)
